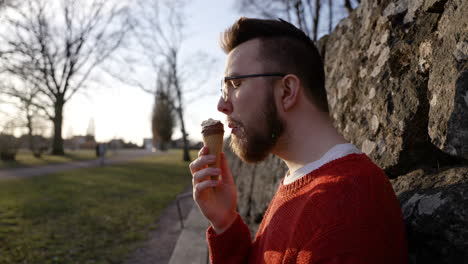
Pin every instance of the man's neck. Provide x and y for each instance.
(307, 142)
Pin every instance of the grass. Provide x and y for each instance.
(95, 215)
(25, 158)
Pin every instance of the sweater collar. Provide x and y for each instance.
(294, 187)
(333, 153)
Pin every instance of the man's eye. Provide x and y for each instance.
(236, 83)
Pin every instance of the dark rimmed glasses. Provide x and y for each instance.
(230, 81)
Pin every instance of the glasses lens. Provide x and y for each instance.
(224, 89)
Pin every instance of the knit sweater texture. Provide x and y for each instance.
(341, 213)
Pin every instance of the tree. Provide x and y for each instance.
(9, 144)
(7, 3)
(29, 114)
(163, 119)
(305, 14)
(330, 16)
(159, 36)
(56, 45)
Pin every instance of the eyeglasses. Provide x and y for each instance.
(235, 81)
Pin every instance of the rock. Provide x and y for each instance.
(256, 185)
(434, 6)
(448, 81)
(405, 63)
(368, 147)
(435, 208)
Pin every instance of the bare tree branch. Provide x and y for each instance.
(160, 35)
(56, 46)
(330, 16)
(316, 20)
(305, 14)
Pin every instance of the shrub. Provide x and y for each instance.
(9, 145)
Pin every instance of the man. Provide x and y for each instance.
(334, 205)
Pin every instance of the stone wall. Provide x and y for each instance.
(397, 78)
(435, 208)
(397, 82)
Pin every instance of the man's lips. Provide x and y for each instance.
(234, 126)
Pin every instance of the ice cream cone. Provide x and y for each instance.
(213, 133)
(215, 146)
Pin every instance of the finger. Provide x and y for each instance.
(204, 185)
(205, 173)
(203, 151)
(226, 172)
(201, 162)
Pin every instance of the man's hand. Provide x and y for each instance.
(215, 198)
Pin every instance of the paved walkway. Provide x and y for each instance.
(121, 156)
(191, 247)
(170, 242)
(160, 243)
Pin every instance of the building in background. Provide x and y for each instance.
(80, 142)
(148, 144)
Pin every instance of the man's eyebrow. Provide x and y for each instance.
(232, 74)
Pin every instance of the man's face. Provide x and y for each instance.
(250, 108)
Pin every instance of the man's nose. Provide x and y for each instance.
(224, 107)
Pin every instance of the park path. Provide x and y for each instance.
(161, 242)
(121, 156)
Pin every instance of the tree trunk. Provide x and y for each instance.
(330, 16)
(29, 117)
(186, 154)
(179, 109)
(316, 20)
(300, 15)
(180, 112)
(30, 130)
(57, 143)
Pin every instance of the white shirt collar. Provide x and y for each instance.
(336, 152)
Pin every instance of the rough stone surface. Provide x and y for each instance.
(256, 185)
(435, 208)
(448, 80)
(397, 83)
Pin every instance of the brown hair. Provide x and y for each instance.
(287, 47)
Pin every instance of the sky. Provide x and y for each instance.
(120, 111)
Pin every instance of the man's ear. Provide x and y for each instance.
(290, 90)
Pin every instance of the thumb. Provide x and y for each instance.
(226, 172)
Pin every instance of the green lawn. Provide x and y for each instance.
(94, 215)
(25, 158)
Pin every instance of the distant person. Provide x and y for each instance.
(101, 150)
(334, 204)
(97, 150)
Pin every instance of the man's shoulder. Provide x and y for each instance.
(343, 188)
(353, 164)
(340, 172)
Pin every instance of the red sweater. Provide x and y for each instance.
(343, 212)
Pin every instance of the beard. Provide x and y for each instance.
(255, 141)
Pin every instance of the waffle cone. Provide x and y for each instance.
(214, 142)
